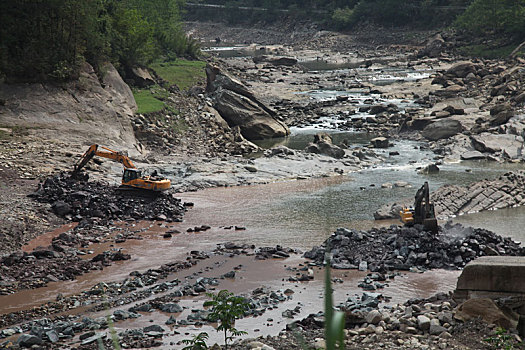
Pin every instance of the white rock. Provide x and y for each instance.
(411, 330)
(374, 317)
(434, 322)
(446, 306)
(257, 345)
(319, 343)
(423, 322)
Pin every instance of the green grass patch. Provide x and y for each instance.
(147, 102)
(182, 73)
(486, 51)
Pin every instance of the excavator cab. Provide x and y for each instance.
(130, 174)
(423, 211)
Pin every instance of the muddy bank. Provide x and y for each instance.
(22, 218)
(22, 270)
(138, 295)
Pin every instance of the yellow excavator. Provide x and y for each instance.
(423, 211)
(131, 178)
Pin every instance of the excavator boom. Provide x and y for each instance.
(93, 150)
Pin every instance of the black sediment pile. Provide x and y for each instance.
(405, 248)
(77, 200)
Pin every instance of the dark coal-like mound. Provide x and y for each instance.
(77, 200)
(402, 248)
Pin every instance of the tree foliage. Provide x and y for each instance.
(339, 14)
(41, 40)
(411, 13)
(197, 342)
(494, 17)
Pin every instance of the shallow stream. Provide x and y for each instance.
(298, 214)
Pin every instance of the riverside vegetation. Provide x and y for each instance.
(49, 40)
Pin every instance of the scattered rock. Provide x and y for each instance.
(442, 128)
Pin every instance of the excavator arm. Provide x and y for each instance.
(105, 153)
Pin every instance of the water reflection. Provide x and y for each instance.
(505, 222)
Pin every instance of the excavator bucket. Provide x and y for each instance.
(431, 224)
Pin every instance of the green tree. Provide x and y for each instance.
(43, 39)
(225, 309)
(494, 17)
(132, 37)
(164, 17)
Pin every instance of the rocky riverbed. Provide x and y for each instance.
(460, 109)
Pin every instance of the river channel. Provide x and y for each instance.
(297, 214)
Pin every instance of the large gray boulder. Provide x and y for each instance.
(323, 145)
(509, 146)
(390, 211)
(433, 48)
(500, 114)
(239, 107)
(461, 69)
(29, 340)
(254, 122)
(442, 129)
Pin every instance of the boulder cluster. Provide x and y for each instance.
(411, 248)
(77, 200)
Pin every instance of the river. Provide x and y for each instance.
(298, 214)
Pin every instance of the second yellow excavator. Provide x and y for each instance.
(423, 211)
(131, 178)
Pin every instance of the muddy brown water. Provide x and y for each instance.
(258, 209)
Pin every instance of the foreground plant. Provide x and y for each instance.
(334, 322)
(197, 342)
(502, 340)
(225, 309)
